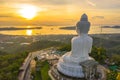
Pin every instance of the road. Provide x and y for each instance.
(25, 69)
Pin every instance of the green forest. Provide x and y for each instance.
(10, 64)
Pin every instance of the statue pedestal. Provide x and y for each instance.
(70, 66)
(71, 70)
(56, 75)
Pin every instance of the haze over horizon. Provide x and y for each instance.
(58, 12)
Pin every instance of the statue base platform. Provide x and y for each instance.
(70, 66)
(74, 70)
(56, 75)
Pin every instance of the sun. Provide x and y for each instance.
(28, 11)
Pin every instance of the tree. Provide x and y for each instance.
(65, 47)
(98, 54)
(116, 58)
(112, 75)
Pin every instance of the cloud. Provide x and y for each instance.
(57, 2)
(8, 15)
(49, 2)
(107, 4)
(90, 3)
(98, 17)
(69, 19)
(5, 15)
(99, 4)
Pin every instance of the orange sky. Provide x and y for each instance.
(61, 12)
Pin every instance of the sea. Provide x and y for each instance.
(56, 30)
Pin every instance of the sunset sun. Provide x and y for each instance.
(28, 11)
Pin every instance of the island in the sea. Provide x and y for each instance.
(111, 26)
(73, 27)
(69, 28)
(14, 28)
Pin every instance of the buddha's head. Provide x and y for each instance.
(83, 25)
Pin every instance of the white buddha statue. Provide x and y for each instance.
(69, 63)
